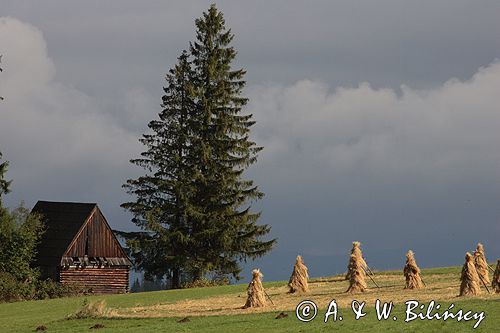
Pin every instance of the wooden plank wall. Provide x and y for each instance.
(101, 280)
(101, 241)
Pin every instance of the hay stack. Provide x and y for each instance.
(470, 283)
(481, 264)
(357, 276)
(496, 278)
(356, 252)
(298, 280)
(256, 296)
(412, 272)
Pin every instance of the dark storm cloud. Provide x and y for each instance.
(408, 160)
(418, 171)
(386, 43)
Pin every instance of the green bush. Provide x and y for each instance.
(20, 233)
(12, 290)
(51, 289)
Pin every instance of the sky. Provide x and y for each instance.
(379, 119)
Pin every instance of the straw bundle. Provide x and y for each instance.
(496, 278)
(356, 252)
(412, 272)
(481, 264)
(470, 283)
(357, 277)
(256, 295)
(298, 280)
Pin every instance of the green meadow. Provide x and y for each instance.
(218, 309)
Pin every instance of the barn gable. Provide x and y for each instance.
(62, 221)
(79, 246)
(95, 239)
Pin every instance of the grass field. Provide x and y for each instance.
(218, 309)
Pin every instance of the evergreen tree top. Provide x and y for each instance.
(4, 184)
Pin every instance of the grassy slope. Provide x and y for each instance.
(25, 316)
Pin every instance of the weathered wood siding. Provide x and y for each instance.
(79, 247)
(95, 240)
(100, 280)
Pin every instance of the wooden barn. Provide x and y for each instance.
(79, 248)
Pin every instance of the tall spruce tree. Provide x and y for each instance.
(162, 195)
(225, 230)
(194, 201)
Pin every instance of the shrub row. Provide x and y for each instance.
(12, 290)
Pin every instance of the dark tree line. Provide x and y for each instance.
(194, 202)
(20, 233)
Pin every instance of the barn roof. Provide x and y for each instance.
(63, 221)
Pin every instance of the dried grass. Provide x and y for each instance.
(255, 291)
(442, 287)
(356, 252)
(481, 264)
(95, 309)
(357, 277)
(298, 282)
(469, 280)
(412, 273)
(496, 278)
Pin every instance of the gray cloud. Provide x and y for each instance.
(408, 160)
(419, 170)
(60, 144)
(386, 43)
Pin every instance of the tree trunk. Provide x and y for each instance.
(176, 278)
(197, 274)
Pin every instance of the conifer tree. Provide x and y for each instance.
(225, 228)
(194, 200)
(162, 194)
(4, 184)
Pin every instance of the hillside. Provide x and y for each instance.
(218, 309)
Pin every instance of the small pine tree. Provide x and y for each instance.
(4, 184)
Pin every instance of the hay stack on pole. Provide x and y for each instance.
(298, 280)
(358, 255)
(256, 293)
(357, 275)
(469, 280)
(481, 264)
(496, 278)
(412, 272)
